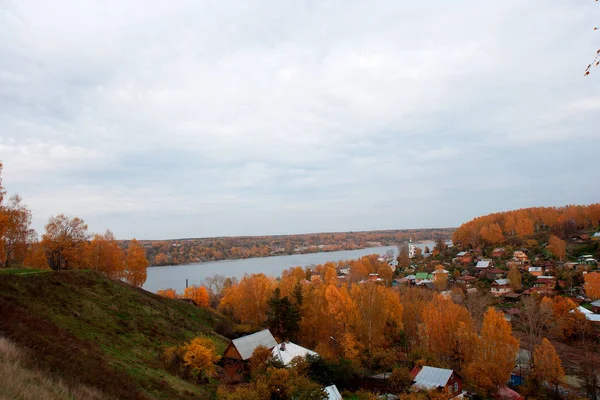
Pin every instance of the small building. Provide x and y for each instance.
(423, 277)
(242, 348)
(333, 393)
(536, 271)
(546, 282)
(498, 252)
(494, 273)
(466, 279)
(427, 378)
(511, 297)
(287, 351)
(520, 255)
(483, 264)
(500, 287)
(596, 306)
(596, 236)
(464, 257)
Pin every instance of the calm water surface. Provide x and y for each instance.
(174, 276)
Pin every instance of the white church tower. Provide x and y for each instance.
(412, 249)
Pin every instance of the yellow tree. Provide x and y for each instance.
(373, 307)
(135, 264)
(547, 364)
(492, 234)
(514, 276)
(440, 279)
(64, 242)
(444, 326)
(558, 247)
(197, 293)
(247, 300)
(496, 353)
(592, 285)
(200, 355)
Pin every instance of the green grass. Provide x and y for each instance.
(103, 333)
(23, 271)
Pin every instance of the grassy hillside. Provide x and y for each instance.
(87, 329)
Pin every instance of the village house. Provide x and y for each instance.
(596, 306)
(494, 273)
(520, 255)
(464, 257)
(483, 264)
(536, 271)
(242, 348)
(333, 393)
(498, 252)
(500, 287)
(466, 280)
(287, 351)
(428, 378)
(545, 282)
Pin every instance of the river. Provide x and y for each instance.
(174, 276)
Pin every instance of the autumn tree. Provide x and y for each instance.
(247, 301)
(198, 294)
(64, 242)
(440, 279)
(495, 355)
(169, 293)
(15, 232)
(565, 318)
(492, 234)
(547, 364)
(103, 254)
(443, 321)
(515, 279)
(36, 256)
(557, 247)
(592, 285)
(200, 355)
(403, 257)
(135, 264)
(535, 318)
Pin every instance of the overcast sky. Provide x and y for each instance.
(166, 119)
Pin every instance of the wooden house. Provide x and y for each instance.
(242, 348)
(500, 287)
(431, 378)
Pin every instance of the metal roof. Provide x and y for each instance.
(482, 264)
(246, 344)
(584, 310)
(462, 253)
(596, 303)
(333, 393)
(287, 351)
(593, 317)
(430, 377)
(501, 281)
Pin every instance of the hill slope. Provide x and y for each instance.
(88, 329)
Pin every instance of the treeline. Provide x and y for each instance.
(371, 327)
(65, 244)
(185, 251)
(500, 228)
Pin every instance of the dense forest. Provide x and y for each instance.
(184, 251)
(514, 226)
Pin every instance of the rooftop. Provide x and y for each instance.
(431, 377)
(247, 344)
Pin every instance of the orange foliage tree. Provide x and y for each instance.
(558, 247)
(200, 355)
(104, 254)
(547, 365)
(495, 355)
(199, 294)
(169, 293)
(15, 231)
(247, 301)
(592, 285)
(135, 264)
(64, 242)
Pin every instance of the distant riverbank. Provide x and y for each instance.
(174, 276)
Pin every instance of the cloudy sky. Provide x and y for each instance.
(165, 119)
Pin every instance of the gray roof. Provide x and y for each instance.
(462, 253)
(502, 281)
(482, 264)
(246, 344)
(431, 377)
(596, 303)
(333, 393)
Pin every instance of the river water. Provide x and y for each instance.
(174, 276)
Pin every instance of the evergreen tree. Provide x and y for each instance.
(283, 316)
